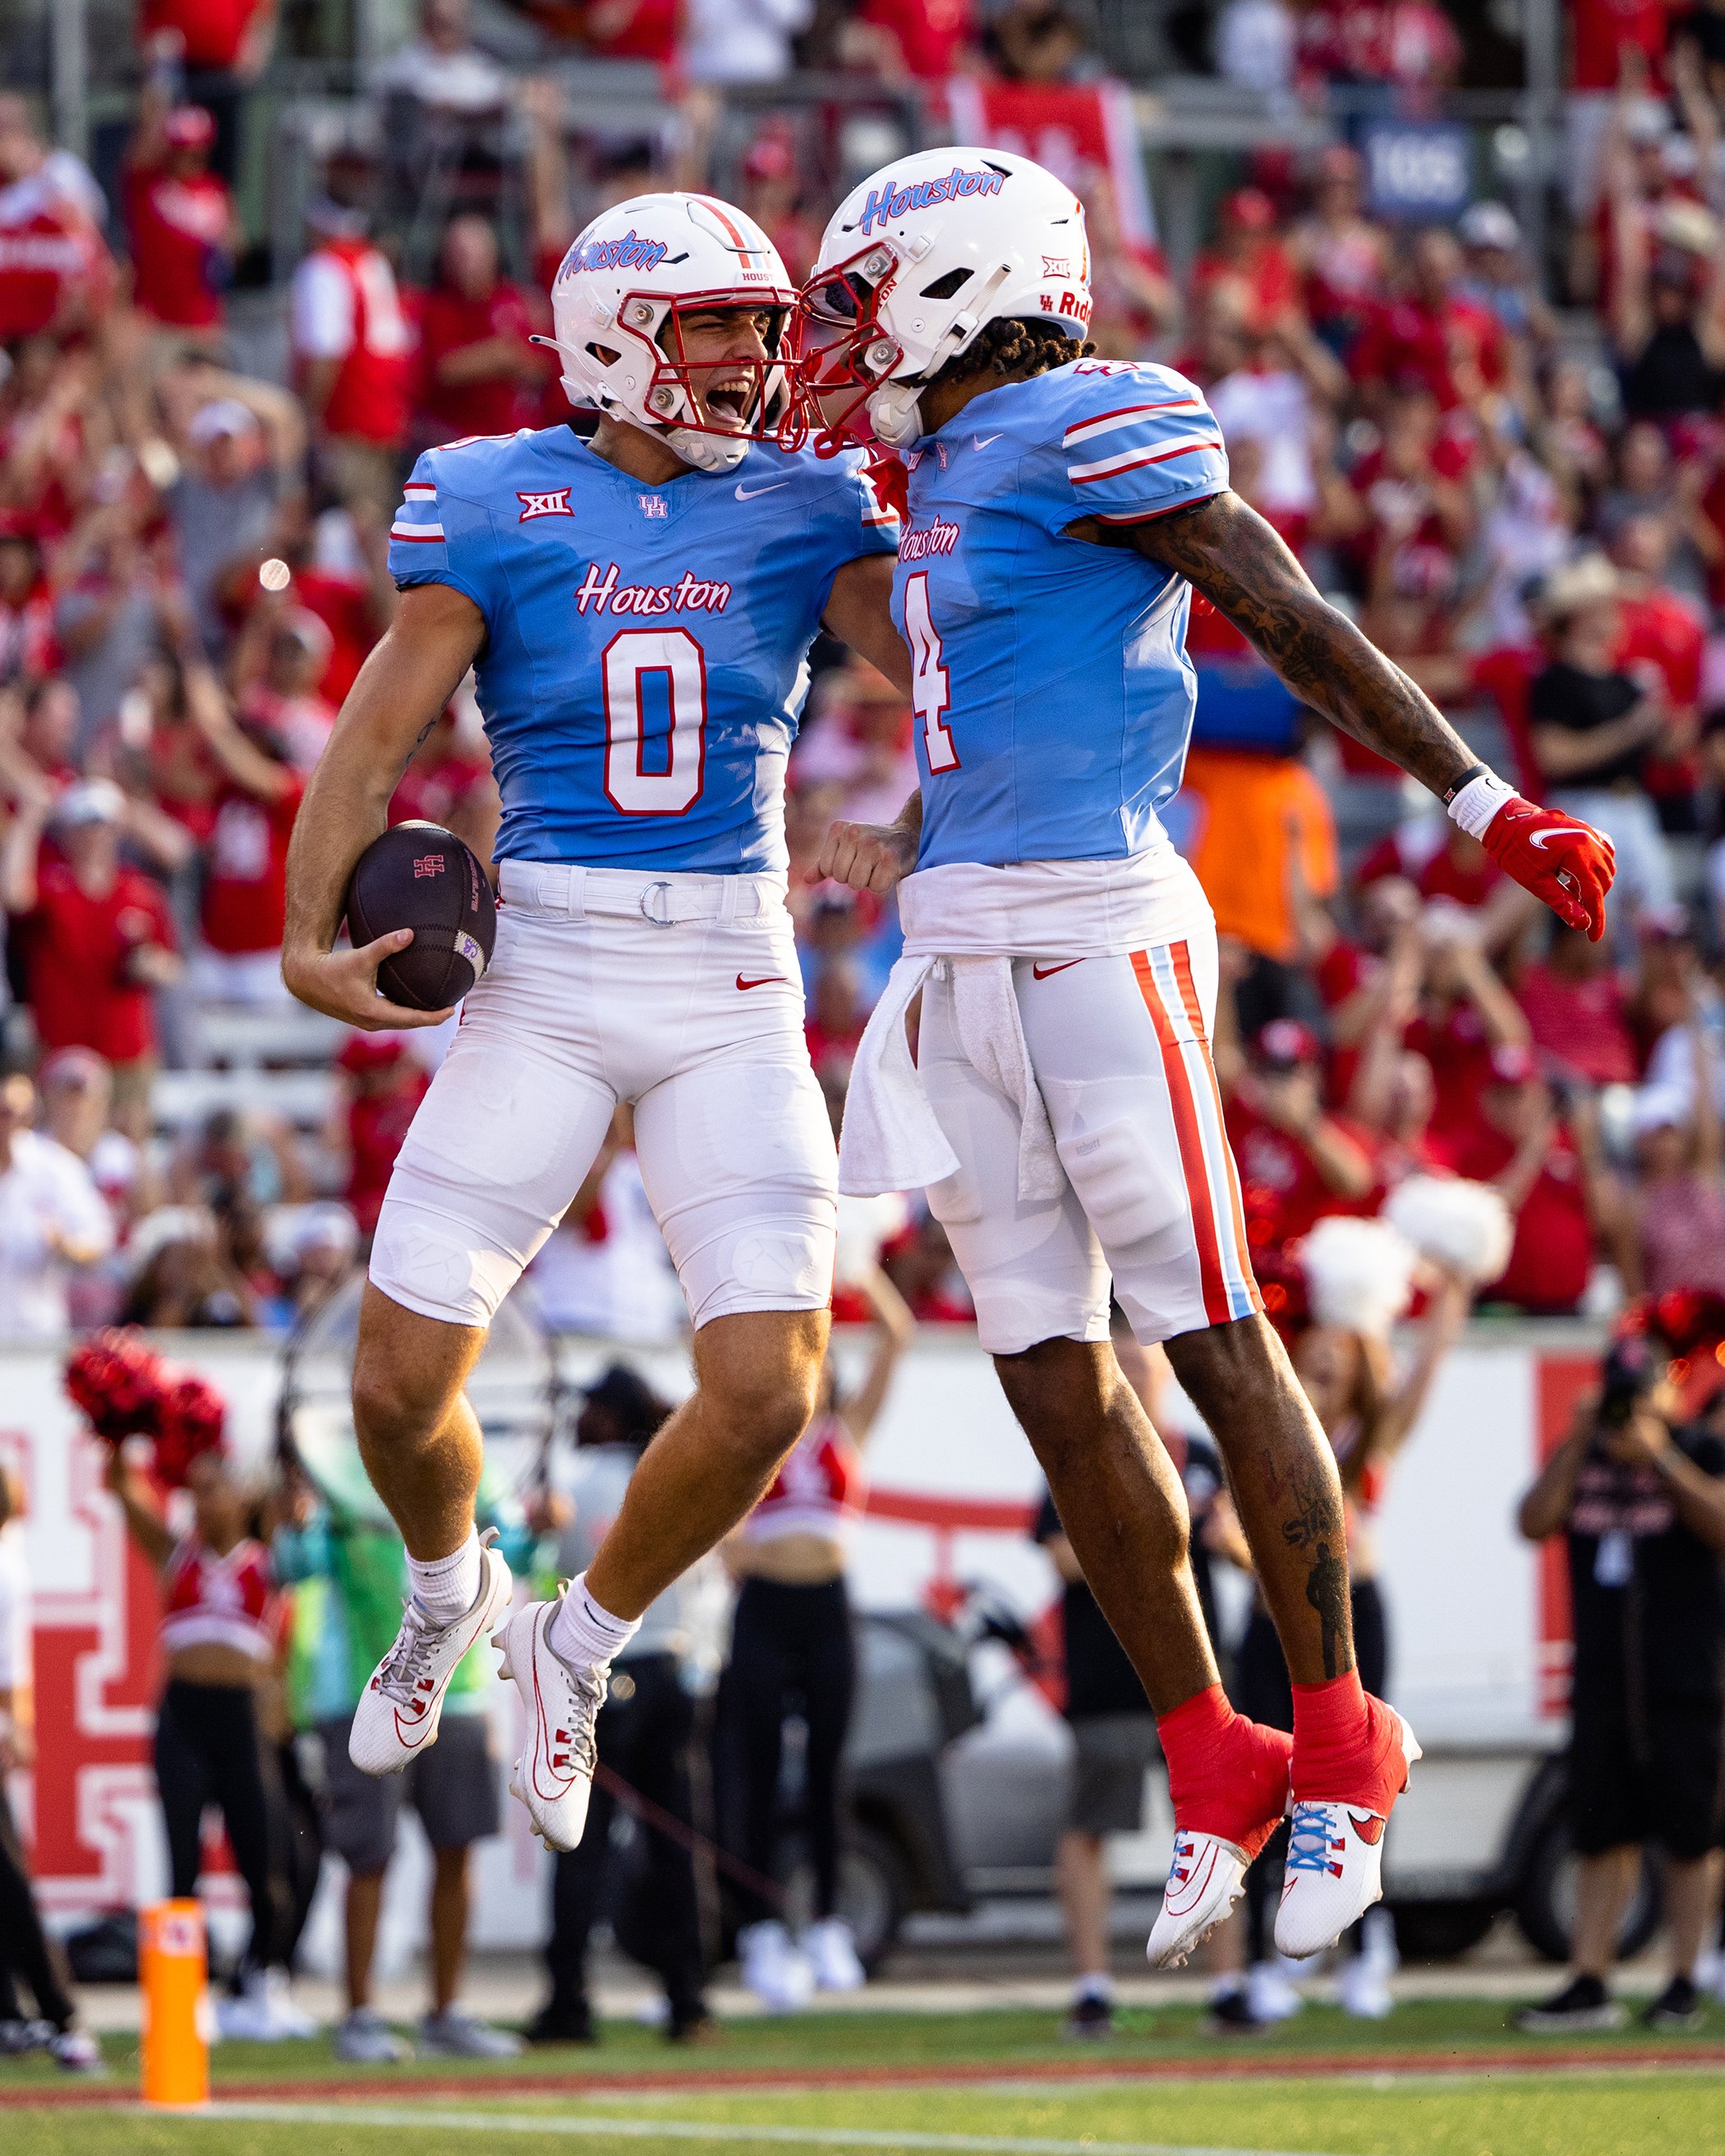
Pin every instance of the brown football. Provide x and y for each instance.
(419, 876)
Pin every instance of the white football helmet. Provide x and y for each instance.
(913, 265)
(616, 304)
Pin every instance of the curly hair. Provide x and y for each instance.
(1015, 350)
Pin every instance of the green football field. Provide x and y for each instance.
(1446, 2078)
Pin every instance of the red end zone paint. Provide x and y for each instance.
(743, 2080)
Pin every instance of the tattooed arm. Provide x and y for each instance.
(1226, 551)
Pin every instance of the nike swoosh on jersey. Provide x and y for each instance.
(1543, 838)
(983, 441)
(748, 493)
(764, 981)
(1042, 972)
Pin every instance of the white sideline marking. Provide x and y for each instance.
(689, 2129)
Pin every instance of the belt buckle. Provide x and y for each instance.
(655, 919)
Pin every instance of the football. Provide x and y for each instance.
(419, 876)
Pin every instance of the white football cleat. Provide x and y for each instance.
(399, 1710)
(774, 1967)
(554, 1777)
(830, 1949)
(1208, 1878)
(1334, 1870)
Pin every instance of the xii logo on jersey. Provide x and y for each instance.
(554, 504)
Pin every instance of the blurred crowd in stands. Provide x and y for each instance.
(1511, 471)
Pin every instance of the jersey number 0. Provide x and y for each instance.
(629, 659)
(930, 691)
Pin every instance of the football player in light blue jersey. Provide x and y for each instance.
(638, 610)
(1063, 1110)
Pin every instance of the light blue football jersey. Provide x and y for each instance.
(1054, 697)
(644, 662)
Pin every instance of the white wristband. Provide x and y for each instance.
(1478, 802)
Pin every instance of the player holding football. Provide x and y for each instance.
(1062, 1109)
(640, 611)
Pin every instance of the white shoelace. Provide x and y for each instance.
(585, 1691)
(400, 1677)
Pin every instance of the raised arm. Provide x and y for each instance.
(399, 697)
(894, 1328)
(1225, 550)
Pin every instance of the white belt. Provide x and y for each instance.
(566, 891)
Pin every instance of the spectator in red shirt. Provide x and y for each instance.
(281, 702)
(222, 46)
(1578, 1011)
(1466, 1015)
(353, 346)
(478, 373)
(1251, 260)
(1342, 256)
(1431, 333)
(1296, 1161)
(56, 273)
(837, 1016)
(926, 39)
(184, 229)
(28, 648)
(1550, 1176)
(96, 935)
(383, 1084)
(1658, 629)
(245, 909)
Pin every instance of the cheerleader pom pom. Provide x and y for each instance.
(115, 1381)
(190, 1419)
(1464, 1227)
(1359, 1274)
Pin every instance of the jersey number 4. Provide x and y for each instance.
(930, 691)
(630, 660)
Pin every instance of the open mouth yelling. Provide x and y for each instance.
(730, 402)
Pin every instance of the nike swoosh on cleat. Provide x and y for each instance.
(1544, 839)
(1370, 1829)
(764, 981)
(748, 493)
(1042, 972)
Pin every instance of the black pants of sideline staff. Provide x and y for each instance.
(792, 1652)
(208, 1752)
(26, 1951)
(645, 1730)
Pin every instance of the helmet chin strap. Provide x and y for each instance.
(895, 412)
(707, 453)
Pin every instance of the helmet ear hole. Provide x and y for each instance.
(604, 355)
(944, 288)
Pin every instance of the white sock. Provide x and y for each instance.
(586, 1636)
(446, 1587)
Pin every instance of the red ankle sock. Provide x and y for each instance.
(1226, 1775)
(1347, 1745)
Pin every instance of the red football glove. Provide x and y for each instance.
(1559, 858)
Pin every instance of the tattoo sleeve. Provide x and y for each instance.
(1225, 550)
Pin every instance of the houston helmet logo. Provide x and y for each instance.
(628, 253)
(886, 205)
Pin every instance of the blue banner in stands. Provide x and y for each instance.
(1416, 170)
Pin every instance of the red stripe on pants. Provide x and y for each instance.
(1195, 1014)
(1192, 1162)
